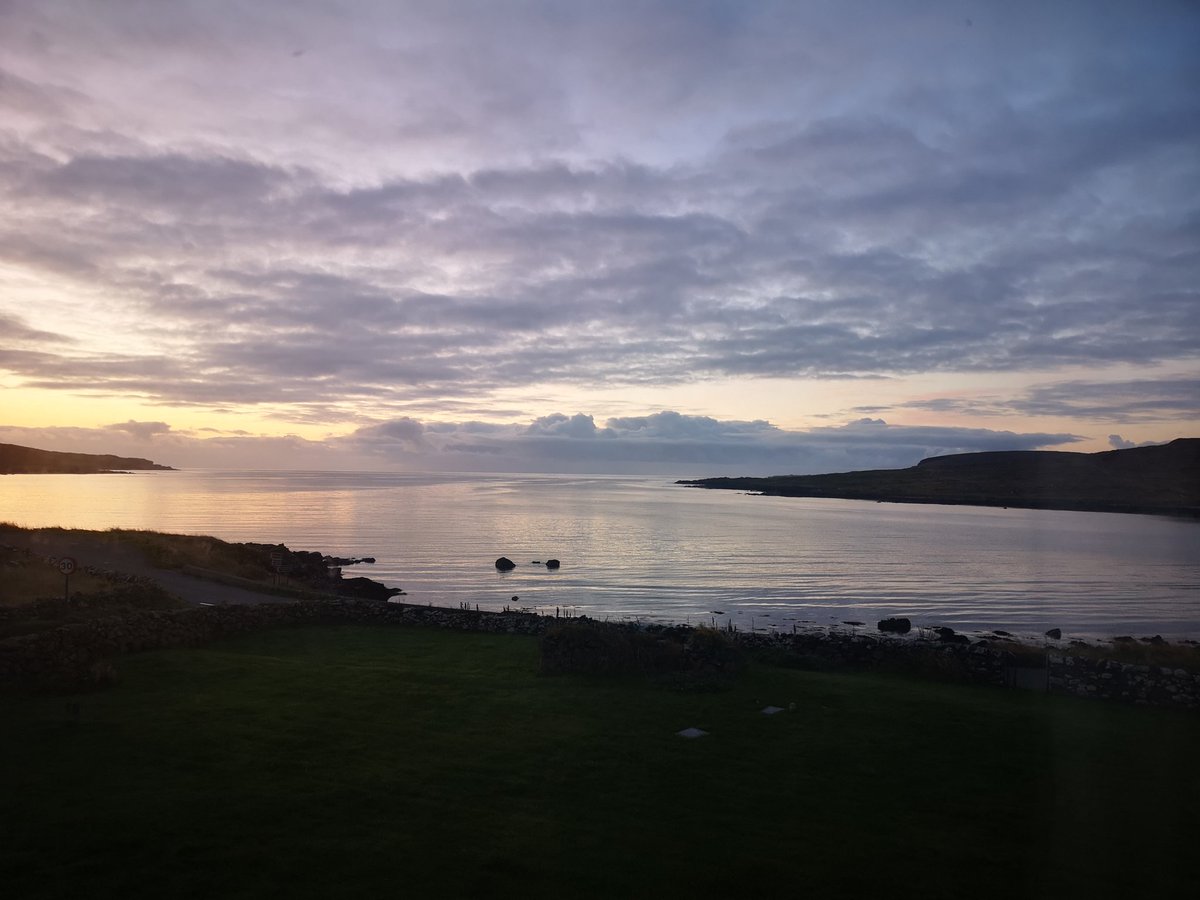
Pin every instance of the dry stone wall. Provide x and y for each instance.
(1109, 679)
(79, 655)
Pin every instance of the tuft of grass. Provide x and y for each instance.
(316, 762)
(174, 551)
(25, 578)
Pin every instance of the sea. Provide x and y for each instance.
(648, 550)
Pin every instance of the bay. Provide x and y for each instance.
(648, 550)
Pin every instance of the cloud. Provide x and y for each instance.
(1136, 401)
(1140, 400)
(16, 330)
(399, 434)
(669, 442)
(143, 431)
(576, 426)
(428, 206)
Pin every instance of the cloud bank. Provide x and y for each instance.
(310, 206)
(666, 443)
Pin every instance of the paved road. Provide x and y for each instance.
(104, 551)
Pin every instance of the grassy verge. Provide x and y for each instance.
(365, 762)
(23, 580)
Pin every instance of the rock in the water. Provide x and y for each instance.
(552, 564)
(1054, 634)
(504, 564)
(896, 625)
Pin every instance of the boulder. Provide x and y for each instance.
(504, 564)
(896, 625)
(1054, 634)
(552, 564)
(950, 636)
(366, 589)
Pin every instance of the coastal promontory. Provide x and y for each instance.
(18, 460)
(1157, 479)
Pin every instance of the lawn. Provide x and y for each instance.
(354, 761)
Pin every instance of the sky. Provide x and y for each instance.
(694, 237)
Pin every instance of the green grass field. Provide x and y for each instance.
(351, 762)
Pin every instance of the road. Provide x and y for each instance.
(104, 551)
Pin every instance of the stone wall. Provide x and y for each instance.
(1108, 679)
(79, 655)
(978, 663)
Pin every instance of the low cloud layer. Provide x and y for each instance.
(665, 443)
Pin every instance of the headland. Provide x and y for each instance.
(18, 460)
(1162, 479)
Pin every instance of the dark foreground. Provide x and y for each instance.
(357, 761)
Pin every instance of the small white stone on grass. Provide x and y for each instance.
(771, 710)
(691, 733)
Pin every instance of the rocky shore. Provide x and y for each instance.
(81, 653)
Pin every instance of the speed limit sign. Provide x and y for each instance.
(66, 565)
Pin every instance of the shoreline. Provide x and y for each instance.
(70, 642)
(196, 585)
(1185, 513)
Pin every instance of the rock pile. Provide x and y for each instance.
(1109, 679)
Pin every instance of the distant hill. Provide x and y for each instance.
(1162, 479)
(17, 460)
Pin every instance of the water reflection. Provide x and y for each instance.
(651, 550)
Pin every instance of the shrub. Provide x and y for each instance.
(709, 649)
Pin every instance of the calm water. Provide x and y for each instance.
(646, 549)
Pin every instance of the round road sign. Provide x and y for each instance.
(66, 565)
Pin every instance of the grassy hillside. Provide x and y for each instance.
(361, 762)
(18, 460)
(1163, 479)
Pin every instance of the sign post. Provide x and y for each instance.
(66, 565)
